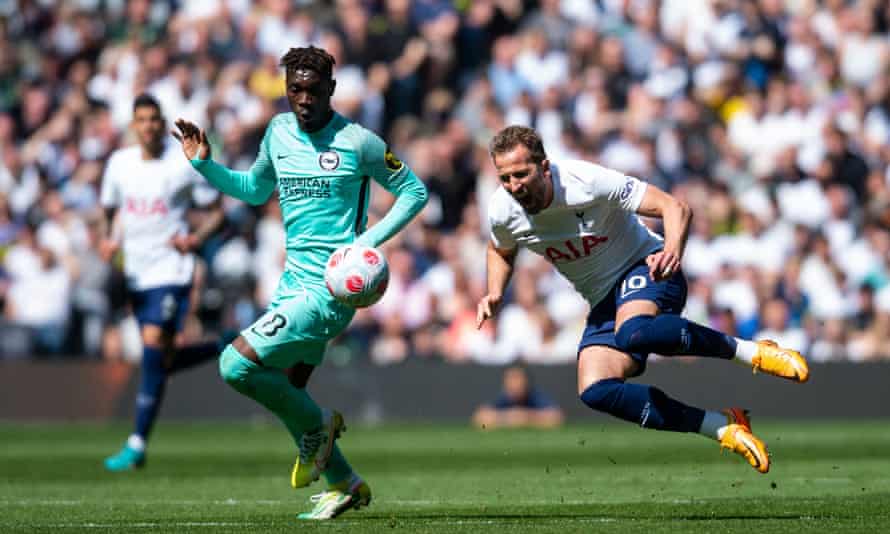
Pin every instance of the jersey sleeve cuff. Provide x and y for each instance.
(638, 198)
(197, 163)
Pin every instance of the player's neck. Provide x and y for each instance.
(548, 196)
(152, 151)
(321, 125)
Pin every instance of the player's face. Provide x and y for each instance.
(309, 96)
(148, 123)
(528, 182)
(515, 383)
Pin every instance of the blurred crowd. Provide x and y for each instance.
(770, 117)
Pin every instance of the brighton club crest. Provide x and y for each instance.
(329, 160)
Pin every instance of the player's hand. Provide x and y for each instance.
(662, 264)
(184, 243)
(486, 308)
(108, 248)
(193, 139)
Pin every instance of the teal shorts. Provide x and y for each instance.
(297, 327)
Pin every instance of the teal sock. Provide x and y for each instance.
(271, 388)
(338, 469)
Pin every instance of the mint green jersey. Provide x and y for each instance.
(323, 181)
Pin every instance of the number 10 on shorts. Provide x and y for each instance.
(632, 284)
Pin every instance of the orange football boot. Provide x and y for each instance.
(739, 438)
(785, 363)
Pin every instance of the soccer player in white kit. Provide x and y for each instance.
(151, 188)
(585, 220)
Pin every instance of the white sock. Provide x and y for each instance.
(745, 350)
(136, 443)
(714, 425)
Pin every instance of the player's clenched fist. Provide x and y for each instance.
(662, 265)
(486, 308)
(193, 139)
(184, 243)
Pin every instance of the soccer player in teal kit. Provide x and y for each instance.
(322, 164)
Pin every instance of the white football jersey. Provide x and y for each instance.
(590, 232)
(152, 197)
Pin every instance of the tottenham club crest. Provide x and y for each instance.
(329, 160)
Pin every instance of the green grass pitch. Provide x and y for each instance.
(216, 477)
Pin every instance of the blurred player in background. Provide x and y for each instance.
(151, 189)
(322, 165)
(585, 220)
(520, 404)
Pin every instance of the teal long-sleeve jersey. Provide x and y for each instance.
(323, 180)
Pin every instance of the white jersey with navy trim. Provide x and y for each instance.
(590, 232)
(152, 197)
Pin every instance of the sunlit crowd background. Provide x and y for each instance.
(770, 117)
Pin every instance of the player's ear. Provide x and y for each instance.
(545, 165)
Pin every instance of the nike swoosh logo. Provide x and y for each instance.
(282, 156)
(750, 446)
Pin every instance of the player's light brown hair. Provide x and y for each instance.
(512, 136)
(310, 58)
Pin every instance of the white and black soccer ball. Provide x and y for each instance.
(357, 275)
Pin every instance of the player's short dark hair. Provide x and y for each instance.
(145, 100)
(310, 58)
(511, 136)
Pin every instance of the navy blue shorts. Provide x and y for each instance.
(164, 306)
(634, 284)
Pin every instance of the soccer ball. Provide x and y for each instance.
(356, 275)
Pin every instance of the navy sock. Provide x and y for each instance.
(672, 335)
(645, 405)
(151, 390)
(192, 355)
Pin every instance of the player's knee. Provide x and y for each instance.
(233, 368)
(602, 395)
(631, 337)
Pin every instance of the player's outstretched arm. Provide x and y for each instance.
(254, 187)
(498, 270)
(676, 215)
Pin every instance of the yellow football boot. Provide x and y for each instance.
(739, 438)
(315, 450)
(785, 363)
